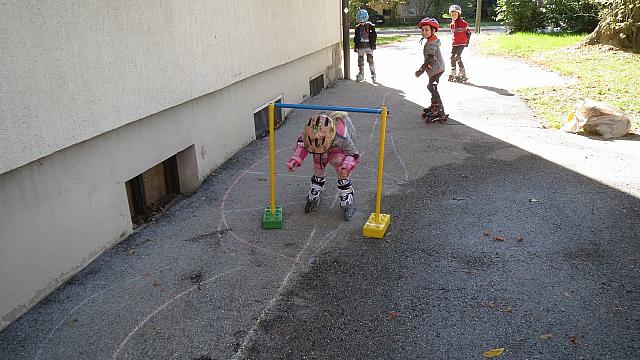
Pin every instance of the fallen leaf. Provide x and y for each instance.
(196, 278)
(72, 322)
(498, 238)
(519, 238)
(157, 329)
(392, 315)
(574, 340)
(131, 252)
(147, 274)
(486, 232)
(545, 336)
(493, 353)
(490, 304)
(155, 284)
(507, 309)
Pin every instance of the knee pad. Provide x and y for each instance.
(370, 59)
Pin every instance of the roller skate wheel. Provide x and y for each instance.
(311, 205)
(349, 212)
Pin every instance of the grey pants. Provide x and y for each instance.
(456, 57)
(361, 53)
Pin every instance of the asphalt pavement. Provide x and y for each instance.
(503, 235)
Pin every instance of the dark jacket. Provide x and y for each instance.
(369, 29)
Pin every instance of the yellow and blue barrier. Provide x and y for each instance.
(377, 224)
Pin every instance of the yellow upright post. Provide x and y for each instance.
(377, 223)
(272, 217)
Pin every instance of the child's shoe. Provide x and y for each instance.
(315, 190)
(462, 76)
(345, 191)
(435, 112)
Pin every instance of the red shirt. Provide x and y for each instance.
(460, 30)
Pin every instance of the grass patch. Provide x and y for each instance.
(603, 73)
(384, 40)
(524, 45)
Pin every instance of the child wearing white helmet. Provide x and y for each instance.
(364, 43)
(330, 138)
(461, 35)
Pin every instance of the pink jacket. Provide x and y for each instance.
(343, 140)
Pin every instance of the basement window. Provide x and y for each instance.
(261, 119)
(150, 192)
(316, 85)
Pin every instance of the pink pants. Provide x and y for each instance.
(334, 157)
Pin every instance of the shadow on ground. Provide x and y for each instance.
(489, 246)
(496, 90)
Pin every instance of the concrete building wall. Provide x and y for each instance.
(72, 70)
(65, 160)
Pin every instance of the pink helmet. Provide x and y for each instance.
(429, 21)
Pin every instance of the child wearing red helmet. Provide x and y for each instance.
(461, 35)
(434, 67)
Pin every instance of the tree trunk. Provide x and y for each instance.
(620, 26)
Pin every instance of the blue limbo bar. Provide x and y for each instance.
(332, 108)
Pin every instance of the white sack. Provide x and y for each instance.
(604, 119)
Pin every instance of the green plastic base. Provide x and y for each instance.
(272, 221)
(376, 230)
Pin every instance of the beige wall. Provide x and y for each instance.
(50, 203)
(72, 70)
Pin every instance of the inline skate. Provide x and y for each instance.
(346, 194)
(315, 190)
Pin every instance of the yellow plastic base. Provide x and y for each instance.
(376, 230)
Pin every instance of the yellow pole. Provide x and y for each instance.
(383, 129)
(272, 175)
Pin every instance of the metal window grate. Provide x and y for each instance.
(261, 120)
(316, 85)
(150, 191)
